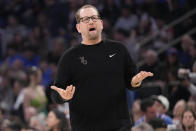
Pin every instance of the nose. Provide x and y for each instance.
(91, 21)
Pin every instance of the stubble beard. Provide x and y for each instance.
(93, 36)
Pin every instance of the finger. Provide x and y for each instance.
(73, 89)
(150, 74)
(59, 90)
(147, 74)
(55, 88)
(69, 88)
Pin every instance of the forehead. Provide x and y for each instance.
(157, 103)
(86, 12)
(188, 113)
(51, 114)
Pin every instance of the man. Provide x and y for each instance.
(148, 107)
(93, 76)
(161, 104)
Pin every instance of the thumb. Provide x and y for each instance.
(55, 88)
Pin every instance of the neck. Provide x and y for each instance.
(91, 42)
(32, 84)
(55, 128)
(190, 128)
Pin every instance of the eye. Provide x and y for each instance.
(85, 18)
(95, 17)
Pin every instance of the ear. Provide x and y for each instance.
(78, 28)
(101, 24)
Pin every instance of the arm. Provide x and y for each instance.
(27, 100)
(62, 90)
(131, 70)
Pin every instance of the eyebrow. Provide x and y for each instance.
(89, 16)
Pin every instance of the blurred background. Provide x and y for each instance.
(159, 35)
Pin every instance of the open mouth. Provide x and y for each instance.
(92, 29)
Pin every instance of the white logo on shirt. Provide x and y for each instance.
(112, 55)
(83, 61)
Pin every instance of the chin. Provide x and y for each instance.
(94, 37)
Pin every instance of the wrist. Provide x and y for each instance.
(137, 84)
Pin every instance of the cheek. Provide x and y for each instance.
(83, 28)
(101, 26)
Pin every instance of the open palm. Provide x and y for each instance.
(66, 94)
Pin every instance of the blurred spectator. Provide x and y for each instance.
(179, 90)
(57, 15)
(8, 125)
(188, 120)
(25, 59)
(133, 46)
(143, 127)
(29, 112)
(189, 80)
(6, 91)
(13, 28)
(127, 21)
(164, 35)
(172, 62)
(110, 11)
(1, 116)
(57, 50)
(161, 103)
(38, 39)
(156, 84)
(150, 112)
(34, 95)
(152, 64)
(178, 110)
(19, 84)
(46, 72)
(191, 105)
(157, 123)
(146, 28)
(38, 122)
(56, 121)
(17, 41)
(12, 57)
(184, 55)
(136, 110)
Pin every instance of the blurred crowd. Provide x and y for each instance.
(35, 33)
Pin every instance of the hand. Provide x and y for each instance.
(137, 79)
(66, 94)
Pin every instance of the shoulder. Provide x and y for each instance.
(115, 44)
(27, 92)
(166, 118)
(72, 51)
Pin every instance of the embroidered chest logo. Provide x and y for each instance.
(83, 60)
(111, 55)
